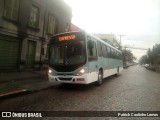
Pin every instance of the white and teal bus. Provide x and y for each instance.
(81, 58)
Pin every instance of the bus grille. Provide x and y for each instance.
(65, 74)
(65, 79)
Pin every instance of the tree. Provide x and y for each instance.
(154, 54)
(152, 57)
(128, 56)
(144, 60)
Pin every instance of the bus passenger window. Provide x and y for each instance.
(108, 52)
(92, 51)
(100, 54)
(104, 49)
(112, 53)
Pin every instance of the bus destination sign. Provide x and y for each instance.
(67, 37)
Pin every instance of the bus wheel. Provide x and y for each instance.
(100, 78)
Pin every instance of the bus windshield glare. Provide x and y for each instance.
(67, 53)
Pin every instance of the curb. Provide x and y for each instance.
(20, 91)
(12, 92)
(23, 91)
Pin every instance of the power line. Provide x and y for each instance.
(134, 47)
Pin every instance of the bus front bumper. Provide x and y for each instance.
(68, 79)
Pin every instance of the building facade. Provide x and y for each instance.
(25, 29)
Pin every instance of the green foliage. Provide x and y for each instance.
(152, 56)
(144, 59)
(128, 56)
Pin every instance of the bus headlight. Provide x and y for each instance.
(81, 72)
(49, 71)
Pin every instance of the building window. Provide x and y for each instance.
(11, 9)
(34, 17)
(51, 24)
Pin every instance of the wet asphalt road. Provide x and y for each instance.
(135, 89)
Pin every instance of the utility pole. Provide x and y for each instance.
(120, 41)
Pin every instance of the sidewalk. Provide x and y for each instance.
(17, 82)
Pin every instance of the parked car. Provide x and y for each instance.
(146, 65)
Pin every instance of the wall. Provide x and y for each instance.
(23, 32)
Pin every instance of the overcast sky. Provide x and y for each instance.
(138, 20)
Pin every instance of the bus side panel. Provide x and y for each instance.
(93, 71)
(103, 64)
(112, 67)
(91, 77)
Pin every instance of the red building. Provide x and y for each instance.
(74, 28)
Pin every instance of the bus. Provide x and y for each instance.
(82, 58)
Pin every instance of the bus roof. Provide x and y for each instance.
(67, 32)
(82, 31)
(102, 41)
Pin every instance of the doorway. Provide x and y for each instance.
(30, 56)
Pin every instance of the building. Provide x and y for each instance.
(109, 38)
(74, 28)
(25, 29)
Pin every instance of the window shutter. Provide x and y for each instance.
(8, 8)
(11, 9)
(15, 9)
(51, 24)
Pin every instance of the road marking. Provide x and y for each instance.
(12, 92)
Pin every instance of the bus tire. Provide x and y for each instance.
(100, 78)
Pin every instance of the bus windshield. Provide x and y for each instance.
(67, 53)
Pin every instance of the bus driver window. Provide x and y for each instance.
(92, 52)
